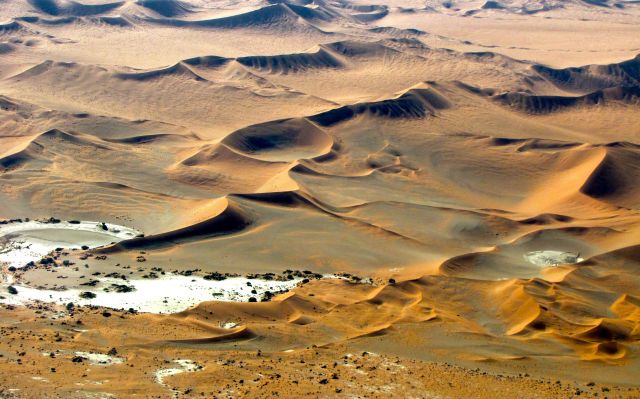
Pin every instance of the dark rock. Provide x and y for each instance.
(215, 276)
(122, 288)
(47, 261)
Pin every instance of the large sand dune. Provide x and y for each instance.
(448, 190)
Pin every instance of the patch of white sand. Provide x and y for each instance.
(552, 258)
(100, 358)
(185, 366)
(23, 242)
(170, 294)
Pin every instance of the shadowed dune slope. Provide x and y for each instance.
(417, 102)
(286, 140)
(544, 104)
(615, 178)
(594, 77)
(292, 62)
(166, 8)
(72, 8)
(278, 16)
(231, 219)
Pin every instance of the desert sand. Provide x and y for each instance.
(392, 198)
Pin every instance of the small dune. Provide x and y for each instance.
(292, 140)
(166, 8)
(72, 8)
(281, 16)
(231, 219)
(545, 104)
(594, 77)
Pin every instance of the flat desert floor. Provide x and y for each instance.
(319, 198)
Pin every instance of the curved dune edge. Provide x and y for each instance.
(232, 218)
(236, 334)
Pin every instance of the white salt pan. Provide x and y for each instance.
(552, 258)
(169, 294)
(21, 243)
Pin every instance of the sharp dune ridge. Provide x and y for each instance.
(89, 20)
(282, 16)
(73, 8)
(11, 26)
(544, 104)
(334, 55)
(166, 8)
(594, 77)
(324, 198)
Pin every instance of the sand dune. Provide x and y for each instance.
(230, 219)
(544, 104)
(416, 102)
(292, 62)
(170, 8)
(612, 180)
(279, 16)
(141, 87)
(57, 7)
(292, 140)
(215, 166)
(11, 26)
(594, 77)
